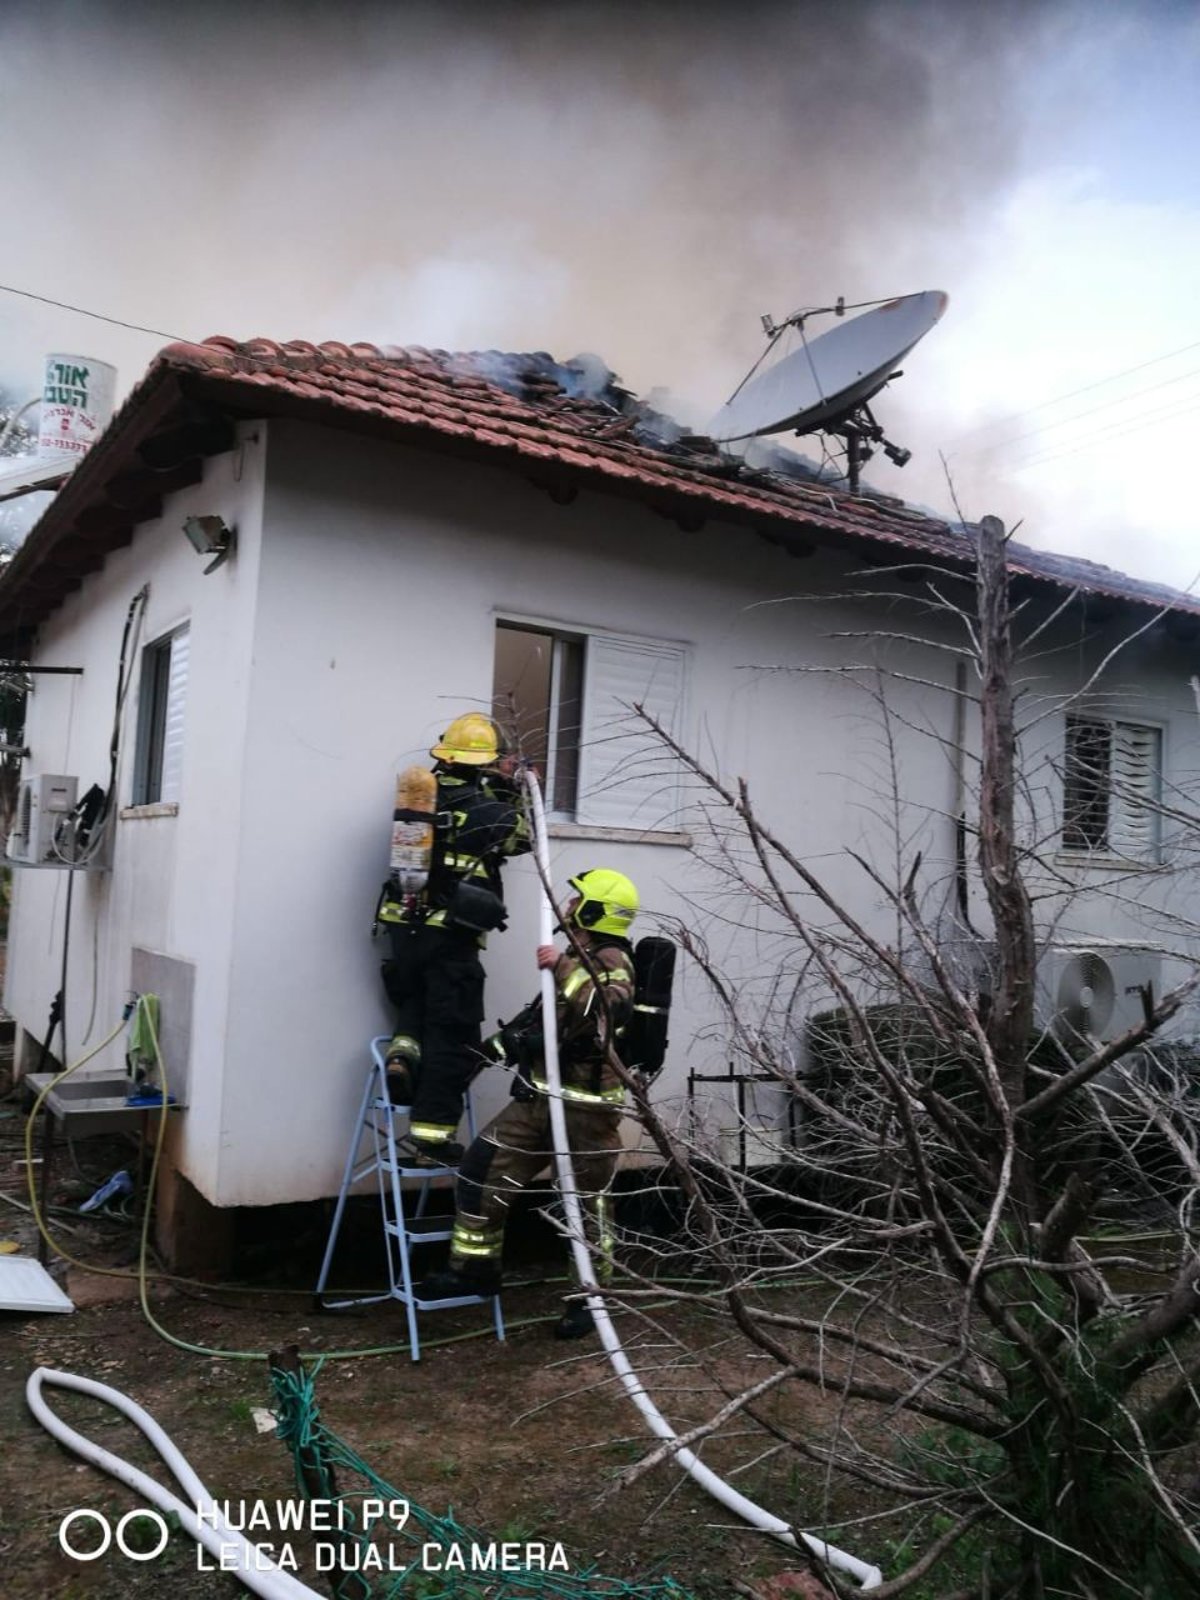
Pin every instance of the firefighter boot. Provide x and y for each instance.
(401, 1062)
(439, 1153)
(453, 1281)
(576, 1322)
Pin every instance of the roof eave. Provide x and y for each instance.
(109, 493)
(184, 409)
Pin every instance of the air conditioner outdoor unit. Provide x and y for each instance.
(43, 804)
(1094, 991)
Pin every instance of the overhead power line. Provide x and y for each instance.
(1107, 436)
(1078, 416)
(1099, 383)
(1118, 425)
(82, 311)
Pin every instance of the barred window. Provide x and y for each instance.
(1112, 788)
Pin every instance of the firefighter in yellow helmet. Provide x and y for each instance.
(434, 976)
(594, 985)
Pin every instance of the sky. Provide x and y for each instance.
(644, 181)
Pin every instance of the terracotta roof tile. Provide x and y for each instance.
(519, 408)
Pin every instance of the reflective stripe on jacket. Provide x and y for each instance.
(591, 1015)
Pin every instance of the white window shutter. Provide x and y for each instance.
(1134, 823)
(172, 750)
(627, 777)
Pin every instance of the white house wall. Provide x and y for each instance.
(355, 621)
(383, 575)
(172, 886)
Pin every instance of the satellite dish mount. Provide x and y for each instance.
(862, 436)
(827, 384)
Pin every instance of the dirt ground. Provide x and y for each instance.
(523, 1440)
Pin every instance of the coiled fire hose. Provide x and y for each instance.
(867, 1576)
(254, 1566)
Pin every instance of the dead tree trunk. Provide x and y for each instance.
(1053, 1381)
(1010, 1020)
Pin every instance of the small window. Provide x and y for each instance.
(538, 700)
(1112, 788)
(567, 698)
(158, 768)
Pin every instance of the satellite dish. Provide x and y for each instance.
(824, 386)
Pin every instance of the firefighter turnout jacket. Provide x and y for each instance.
(591, 1014)
(517, 1145)
(434, 977)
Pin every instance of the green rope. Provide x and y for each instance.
(319, 1455)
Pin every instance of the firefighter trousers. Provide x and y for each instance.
(435, 981)
(509, 1154)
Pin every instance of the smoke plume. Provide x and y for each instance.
(641, 180)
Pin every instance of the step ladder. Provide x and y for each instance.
(373, 1149)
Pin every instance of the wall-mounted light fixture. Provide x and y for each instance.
(211, 536)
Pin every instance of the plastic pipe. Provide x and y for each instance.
(254, 1569)
(867, 1576)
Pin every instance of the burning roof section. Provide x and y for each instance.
(566, 425)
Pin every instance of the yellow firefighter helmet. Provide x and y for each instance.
(471, 740)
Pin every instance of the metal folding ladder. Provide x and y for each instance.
(376, 1130)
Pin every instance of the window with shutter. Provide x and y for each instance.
(1136, 816)
(626, 778)
(1112, 785)
(566, 698)
(158, 765)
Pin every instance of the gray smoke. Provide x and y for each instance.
(642, 180)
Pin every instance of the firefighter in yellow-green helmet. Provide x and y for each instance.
(434, 977)
(594, 986)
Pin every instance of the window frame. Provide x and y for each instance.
(159, 663)
(571, 824)
(559, 637)
(1108, 854)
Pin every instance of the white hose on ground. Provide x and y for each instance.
(254, 1567)
(867, 1576)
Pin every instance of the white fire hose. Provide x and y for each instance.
(867, 1576)
(254, 1566)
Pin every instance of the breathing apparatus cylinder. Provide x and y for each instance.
(644, 1044)
(412, 829)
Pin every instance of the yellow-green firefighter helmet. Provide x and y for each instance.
(608, 901)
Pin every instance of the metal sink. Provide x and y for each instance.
(83, 1104)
